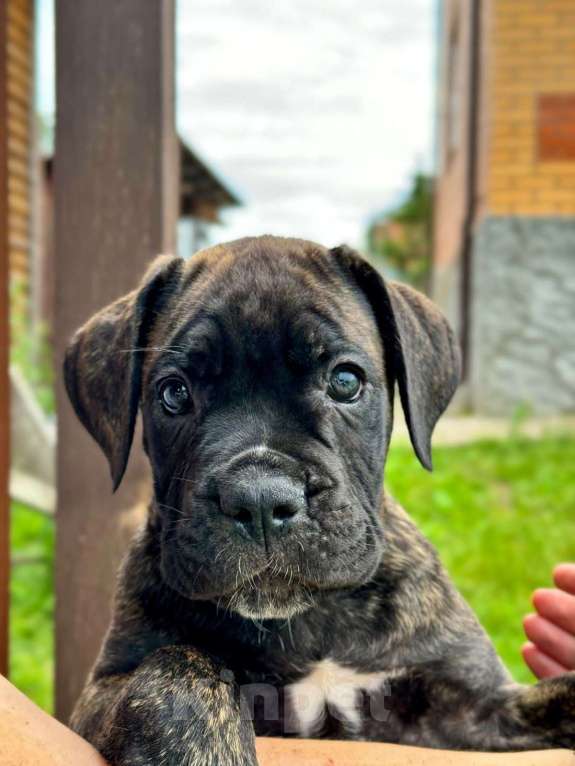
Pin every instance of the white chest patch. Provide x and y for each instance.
(332, 687)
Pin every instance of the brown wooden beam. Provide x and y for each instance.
(116, 176)
(4, 355)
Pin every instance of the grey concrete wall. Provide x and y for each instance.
(523, 316)
(446, 291)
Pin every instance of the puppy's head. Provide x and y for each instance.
(265, 371)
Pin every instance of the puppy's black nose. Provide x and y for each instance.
(262, 506)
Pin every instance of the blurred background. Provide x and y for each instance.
(438, 138)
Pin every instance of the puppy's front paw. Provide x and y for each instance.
(172, 732)
(178, 708)
(549, 708)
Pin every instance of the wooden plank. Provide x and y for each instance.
(17, 93)
(20, 57)
(18, 109)
(18, 263)
(18, 129)
(19, 186)
(20, 13)
(21, 35)
(18, 149)
(18, 249)
(115, 208)
(19, 227)
(18, 205)
(18, 220)
(17, 78)
(4, 347)
(17, 165)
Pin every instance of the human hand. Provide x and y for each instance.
(550, 650)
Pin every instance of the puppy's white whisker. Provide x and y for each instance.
(171, 508)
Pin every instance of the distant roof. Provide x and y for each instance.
(202, 193)
(200, 186)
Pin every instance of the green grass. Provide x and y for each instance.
(500, 513)
(32, 605)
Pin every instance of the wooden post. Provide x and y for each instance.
(115, 208)
(4, 354)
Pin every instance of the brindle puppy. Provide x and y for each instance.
(275, 588)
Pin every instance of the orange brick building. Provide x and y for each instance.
(504, 234)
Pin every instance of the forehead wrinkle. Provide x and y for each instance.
(261, 264)
(358, 324)
(262, 260)
(202, 335)
(179, 346)
(314, 332)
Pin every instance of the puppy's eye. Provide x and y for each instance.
(174, 396)
(345, 384)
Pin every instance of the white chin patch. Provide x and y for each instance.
(266, 609)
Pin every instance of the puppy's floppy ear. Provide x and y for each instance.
(421, 352)
(103, 363)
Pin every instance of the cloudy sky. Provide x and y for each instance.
(317, 112)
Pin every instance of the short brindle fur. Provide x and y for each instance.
(270, 546)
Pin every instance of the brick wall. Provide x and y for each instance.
(521, 310)
(532, 92)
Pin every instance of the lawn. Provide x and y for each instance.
(500, 513)
(32, 604)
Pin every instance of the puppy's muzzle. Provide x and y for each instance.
(262, 502)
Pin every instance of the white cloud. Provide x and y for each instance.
(318, 111)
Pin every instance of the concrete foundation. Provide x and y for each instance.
(523, 316)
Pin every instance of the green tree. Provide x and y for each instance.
(402, 237)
